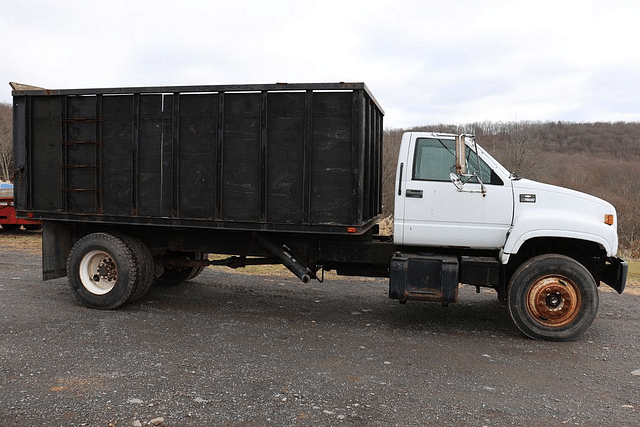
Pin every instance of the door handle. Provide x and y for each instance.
(414, 194)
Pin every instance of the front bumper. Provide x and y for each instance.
(615, 274)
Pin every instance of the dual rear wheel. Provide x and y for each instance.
(107, 270)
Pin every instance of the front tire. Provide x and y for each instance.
(552, 297)
(103, 271)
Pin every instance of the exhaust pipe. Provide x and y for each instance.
(282, 253)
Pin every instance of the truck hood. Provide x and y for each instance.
(552, 195)
(553, 210)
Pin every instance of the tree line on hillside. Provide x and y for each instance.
(602, 159)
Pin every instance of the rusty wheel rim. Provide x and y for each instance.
(554, 301)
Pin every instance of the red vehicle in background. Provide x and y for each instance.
(8, 218)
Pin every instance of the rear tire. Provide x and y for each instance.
(552, 297)
(103, 271)
(196, 271)
(144, 260)
(175, 276)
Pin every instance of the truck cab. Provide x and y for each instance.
(544, 248)
(431, 211)
(492, 209)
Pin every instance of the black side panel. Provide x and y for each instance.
(79, 163)
(148, 157)
(286, 168)
(116, 154)
(46, 134)
(373, 161)
(197, 142)
(21, 158)
(331, 158)
(285, 158)
(241, 168)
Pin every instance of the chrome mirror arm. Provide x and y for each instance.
(460, 180)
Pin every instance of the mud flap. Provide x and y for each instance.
(56, 245)
(423, 277)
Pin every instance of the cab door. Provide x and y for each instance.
(435, 213)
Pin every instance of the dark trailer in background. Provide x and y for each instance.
(288, 172)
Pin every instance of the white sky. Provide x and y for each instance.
(426, 61)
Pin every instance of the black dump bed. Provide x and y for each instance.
(281, 157)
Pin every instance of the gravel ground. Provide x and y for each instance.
(231, 349)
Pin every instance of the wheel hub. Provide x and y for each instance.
(554, 301)
(106, 269)
(98, 272)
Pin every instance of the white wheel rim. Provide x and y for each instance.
(98, 272)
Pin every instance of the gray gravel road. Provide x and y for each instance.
(230, 349)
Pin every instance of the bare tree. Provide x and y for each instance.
(6, 141)
(523, 155)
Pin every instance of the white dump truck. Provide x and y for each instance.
(136, 186)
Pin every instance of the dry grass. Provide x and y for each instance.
(259, 270)
(386, 226)
(633, 280)
(21, 241)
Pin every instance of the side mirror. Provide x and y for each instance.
(461, 177)
(461, 150)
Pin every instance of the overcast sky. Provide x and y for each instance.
(425, 61)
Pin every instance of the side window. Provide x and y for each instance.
(434, 160)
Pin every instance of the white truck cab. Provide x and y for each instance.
(547, 248)
(494, 209)
(431, 211)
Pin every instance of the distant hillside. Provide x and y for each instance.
(602, 159)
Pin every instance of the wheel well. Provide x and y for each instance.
(590, 254)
